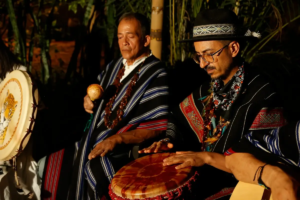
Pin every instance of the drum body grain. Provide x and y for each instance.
(147, 178)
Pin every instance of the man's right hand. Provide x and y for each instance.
(158, 147)
(88, 104)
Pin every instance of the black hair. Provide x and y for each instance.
(8, 61)
(142, 19)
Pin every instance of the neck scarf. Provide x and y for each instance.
(223, 99)
(220, 98)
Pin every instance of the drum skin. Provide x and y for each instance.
(147, 178)
(18, 108)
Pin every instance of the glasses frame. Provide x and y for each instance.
(197, 56)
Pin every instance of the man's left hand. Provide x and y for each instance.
(104, 147)
(186, 159)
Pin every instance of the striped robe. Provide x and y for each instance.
(277, 145)
(147, 108)
(186, 125)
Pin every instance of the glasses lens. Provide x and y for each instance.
(208, 58)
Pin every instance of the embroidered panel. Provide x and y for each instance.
(214, 29)
(192, 115)
(53, 173)
(268, 119)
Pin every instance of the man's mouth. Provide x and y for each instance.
(209, 69)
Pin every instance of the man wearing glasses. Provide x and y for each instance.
(216, 116)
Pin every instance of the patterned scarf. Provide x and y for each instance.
(222, 99)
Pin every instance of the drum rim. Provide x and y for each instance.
(15, 150)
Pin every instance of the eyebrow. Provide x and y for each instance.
(126, 33)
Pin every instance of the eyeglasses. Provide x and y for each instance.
(208, 58)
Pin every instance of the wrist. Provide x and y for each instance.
(206, 157)
(271, 175)
(117, 138)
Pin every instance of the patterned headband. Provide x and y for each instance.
(221, 29)
(214, 29)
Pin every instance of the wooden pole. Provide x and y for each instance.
(156, 27)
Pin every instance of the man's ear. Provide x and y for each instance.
(147, 40)
(234, 48)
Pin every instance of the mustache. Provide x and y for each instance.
(209, 67)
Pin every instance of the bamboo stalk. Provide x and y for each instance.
(156, 27)
(14, 25)
(171, 28)
(87, 13)
(130, 6)
(174, 46)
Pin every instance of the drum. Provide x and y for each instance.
(147, 178)
(18, 108)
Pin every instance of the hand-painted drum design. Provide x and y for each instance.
(147, 178)
(18, 107)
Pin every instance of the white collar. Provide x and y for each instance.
(136, 62)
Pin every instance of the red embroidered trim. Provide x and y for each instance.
(124, 129)
(267, 119)
(53, 173)
(193, 116)
(224, 192)
(174, 194)
(229, 152)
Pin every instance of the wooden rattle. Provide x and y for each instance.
(95, 91)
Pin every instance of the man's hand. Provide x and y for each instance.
(105, 146)
(88, 104)
(158, 147)
(186, 159)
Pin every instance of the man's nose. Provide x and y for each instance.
(125, 42)
(203, 63)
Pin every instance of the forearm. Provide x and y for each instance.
(244, 167)
(136, 136)
(216, 160)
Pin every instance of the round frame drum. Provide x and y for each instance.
(18, 108)
(147, 178)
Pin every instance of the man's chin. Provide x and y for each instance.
(126, 55)
(214, 76)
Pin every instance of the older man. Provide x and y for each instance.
(218, 114)
(133, 108)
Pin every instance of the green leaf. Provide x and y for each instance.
(54, 23)
(73, 7)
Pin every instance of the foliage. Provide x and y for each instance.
(269, 17)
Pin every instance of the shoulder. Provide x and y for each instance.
(153, 67)
(258, 82)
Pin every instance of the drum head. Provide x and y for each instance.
(146, 177)
(17, 108)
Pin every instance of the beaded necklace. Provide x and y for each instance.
(108, 109)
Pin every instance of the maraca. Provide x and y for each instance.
(95, 91)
